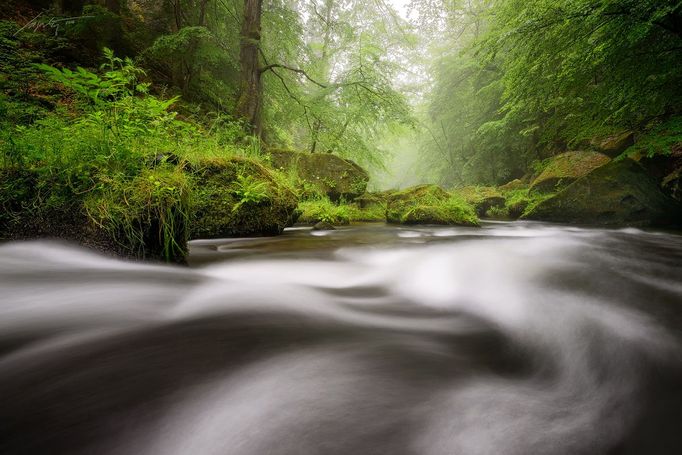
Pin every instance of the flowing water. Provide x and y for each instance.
(516, 338)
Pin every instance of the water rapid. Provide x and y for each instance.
(517, 338)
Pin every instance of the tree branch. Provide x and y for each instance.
(295, 70)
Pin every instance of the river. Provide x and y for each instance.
(515, 338)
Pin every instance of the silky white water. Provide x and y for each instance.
(515, 338)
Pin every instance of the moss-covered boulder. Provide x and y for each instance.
(563, 169)
(614, 144)
(239, 197)
(620, 193)
(331, 175)
(516, 184)
(483, 198)
(429, 204)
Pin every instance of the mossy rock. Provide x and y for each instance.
(620, 193)
(483, 198)
(240, 197)
(429, 204)
(516, 184)
(614, 144)
(565, 168)
(333, 176)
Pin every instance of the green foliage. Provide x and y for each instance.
(429, 204)
(112, 161)
(658, 138)
(348, 96)
(249, 190)
(577, 65)
(120, 80)
(522, 80)
(197, 64)
(24, 97)
(322, 209)
(148, 214)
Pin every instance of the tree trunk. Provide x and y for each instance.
(202, 13)
(114, 6)
(251, 88)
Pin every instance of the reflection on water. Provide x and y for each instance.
(516, 338)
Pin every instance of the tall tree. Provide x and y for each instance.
(249, 104)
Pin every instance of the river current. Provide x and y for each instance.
(515, 338)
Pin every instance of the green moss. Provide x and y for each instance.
(370, 213)
(563, 169)
(323, 173)
(517, 202)
(323, 209)
(239, 196)
(620, 193)
(483, 198)
(429, 204)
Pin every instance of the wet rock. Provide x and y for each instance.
(619, 193)
(429, 204)
(565, 168)
(336, 177)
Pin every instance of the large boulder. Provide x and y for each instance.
(615, 144)
(619, 193)
(429, 204)
(332, 175)
(565, 168)
(239, 197)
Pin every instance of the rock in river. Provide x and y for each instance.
(619, 193)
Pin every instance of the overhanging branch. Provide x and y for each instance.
(290, 68)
